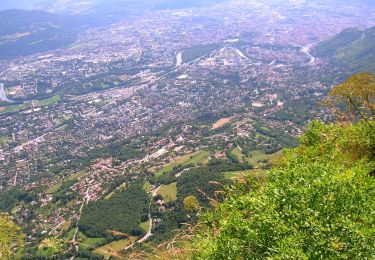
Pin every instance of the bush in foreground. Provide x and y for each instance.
(318, 203)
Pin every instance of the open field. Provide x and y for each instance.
(15, 108)
(198, 51)
(169, 192)
(49, 101)
(118, 189)
(145, 225)
(3, 140)
(221, 122)
(258, 156)
(91, 243)
(193, 158)
(238, 153)
(114, 247)
(256, 173)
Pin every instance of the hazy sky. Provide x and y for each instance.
(30, 4)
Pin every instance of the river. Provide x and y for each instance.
(3, 94)
(306, 50)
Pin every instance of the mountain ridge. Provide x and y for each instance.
(354, 48)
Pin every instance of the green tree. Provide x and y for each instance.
(357, 93)
(11, 238)
(191, 204)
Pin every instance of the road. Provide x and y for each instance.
(86, 199)
(149, 233)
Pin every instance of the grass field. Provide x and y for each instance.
(145, 225)
(91, 243)
(169, 192)
(146, 186)
(49, 101)
(198, 51)
(15, 108)
(66, 225)
(238, 153)
(193, 158)
(258, 156)
(84, 242)
(3, 140)
(257, 173)
(114, 247)
(118, 189)
(69, 236)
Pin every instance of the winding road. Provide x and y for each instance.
(149, 233)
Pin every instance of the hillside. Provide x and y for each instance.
(317, 203)
(354, 48)
(29, 32)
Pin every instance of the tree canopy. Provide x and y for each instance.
(11, 238)
(357, 93)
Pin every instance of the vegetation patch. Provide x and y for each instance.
(125, 209)
(193, 158)
(114, 248)
(169, 192)
(237, 152)
(15, 108)
(49, 101)
(316, 203)
(195, 52)
(145, 225)
(259, 157)
(3, 140)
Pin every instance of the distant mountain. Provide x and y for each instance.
(176, 4)
(110, 6)
(354, 48)
(28, 32)
(19, 4)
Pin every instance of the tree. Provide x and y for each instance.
(11, 237)
(191, 204)
(357, 93)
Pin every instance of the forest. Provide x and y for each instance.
(126, 209)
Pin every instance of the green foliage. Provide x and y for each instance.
(50, 247)
(317, 204)
(11, 238)
(119, 150)
(122, 212)
(201, 183)
(62, 194)
(189, 159)
(11, 198)
(357, 93)
(191, 204)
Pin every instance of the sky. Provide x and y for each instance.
(31, 4)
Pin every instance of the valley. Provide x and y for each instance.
(116, 134)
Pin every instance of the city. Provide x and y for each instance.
(125, 100)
